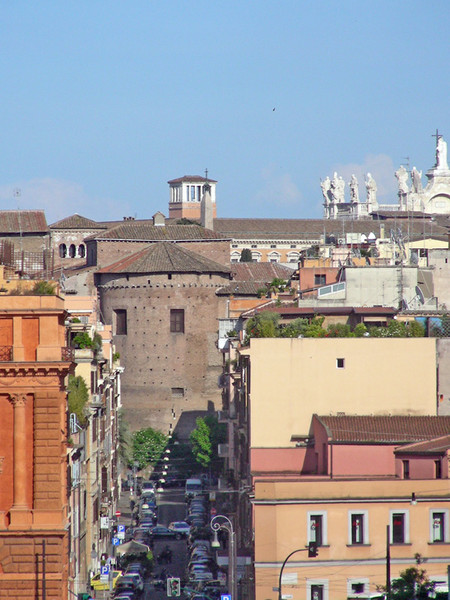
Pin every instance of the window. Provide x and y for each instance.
(177, 320)
(317, 528)
(81, 251)
(439, 526)
(177, 392)
(254, 245)
(358, 528)
(62, 251)
(399, 527)
(234, 245)
(293, 246)
(405, 469)
(120, 315)
(320, 279)
(340, 363)
(273, 245)
(438, 469)
(72, 251)
(317, 589)
(357, 586)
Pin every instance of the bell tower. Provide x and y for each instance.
(186, 195)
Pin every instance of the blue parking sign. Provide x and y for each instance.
(225, 596)
(115, 541)
(121, 528)
(104, 570)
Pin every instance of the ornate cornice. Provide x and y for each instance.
(18, 400)
(34, 373)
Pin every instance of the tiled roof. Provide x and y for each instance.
(193, 178)
(249, 278)
(165, 257)
(146, 231)
(391, 429)
(23, 221)
(250, 271)
(77, 222)
(436, 446)
(313, 229)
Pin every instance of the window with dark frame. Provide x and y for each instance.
(438, 469)
(340, 363)
(316, 529)
(177, 320)
(317, 592)
(121, 321)
(438, 527)
(357, 588)
(398, 528)
(357, 526)
(320, 279)
(405, 469)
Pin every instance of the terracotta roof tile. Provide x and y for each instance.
(165, 257)
(194, 178)
(146, 231)
(23, 221)
(436, 446)
(391, 429)
(77, 222)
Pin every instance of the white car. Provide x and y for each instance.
(180, 527)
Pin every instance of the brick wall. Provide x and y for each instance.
(157, 361)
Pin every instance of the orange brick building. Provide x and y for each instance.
(33, 448)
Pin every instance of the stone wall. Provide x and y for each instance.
(169, 378)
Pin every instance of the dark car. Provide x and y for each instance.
(164, 532)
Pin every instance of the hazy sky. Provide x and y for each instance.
(103, 102)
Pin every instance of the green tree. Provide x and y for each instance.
(125, 440)
(263, 325)
(200, 439)
(339, 330)
(246, 255)
(148, 446)
(412, 583)
(78, 396)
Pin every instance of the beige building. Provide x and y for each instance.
(297, 377)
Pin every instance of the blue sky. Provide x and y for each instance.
(103, 102)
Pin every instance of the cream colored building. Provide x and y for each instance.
(294, 378)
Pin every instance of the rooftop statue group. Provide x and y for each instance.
(333, 190)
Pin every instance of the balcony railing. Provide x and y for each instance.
(5, 353)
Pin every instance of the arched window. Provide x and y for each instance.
(235, 257)
(256, 256)
(274, 257)
(72, 251)
(81, 251)
(62, 251)
(293, 257)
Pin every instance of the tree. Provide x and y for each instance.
(200, 439)
(78, 396)
(246, 255)
(148, 446)
(412, 583)
(263, 325)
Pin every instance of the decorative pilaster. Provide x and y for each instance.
(20, 451)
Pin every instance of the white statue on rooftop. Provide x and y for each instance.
(402, 177)
(354, 190)
(441, 154)
(326, 186)
(416, 177)
(338, 188)
(371, 188)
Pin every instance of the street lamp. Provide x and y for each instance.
(311, 550)
(219, 522)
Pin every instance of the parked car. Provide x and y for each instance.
(164, 532)
(180, 527)
(137, 578)
(97, 584)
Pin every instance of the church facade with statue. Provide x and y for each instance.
(433, 198)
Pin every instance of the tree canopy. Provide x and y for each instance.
(148, 446)
(78, 396)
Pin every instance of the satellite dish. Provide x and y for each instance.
(420, 295)
(404, 304)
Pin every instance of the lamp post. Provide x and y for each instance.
(311, 550)
(219, 522)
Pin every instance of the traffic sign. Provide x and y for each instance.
(121, 528)
(118, 513)
(115, 541)
(225, 596)
(173, 587)
(104, 570)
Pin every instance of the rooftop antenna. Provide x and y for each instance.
(17, 192)
(206, 174)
